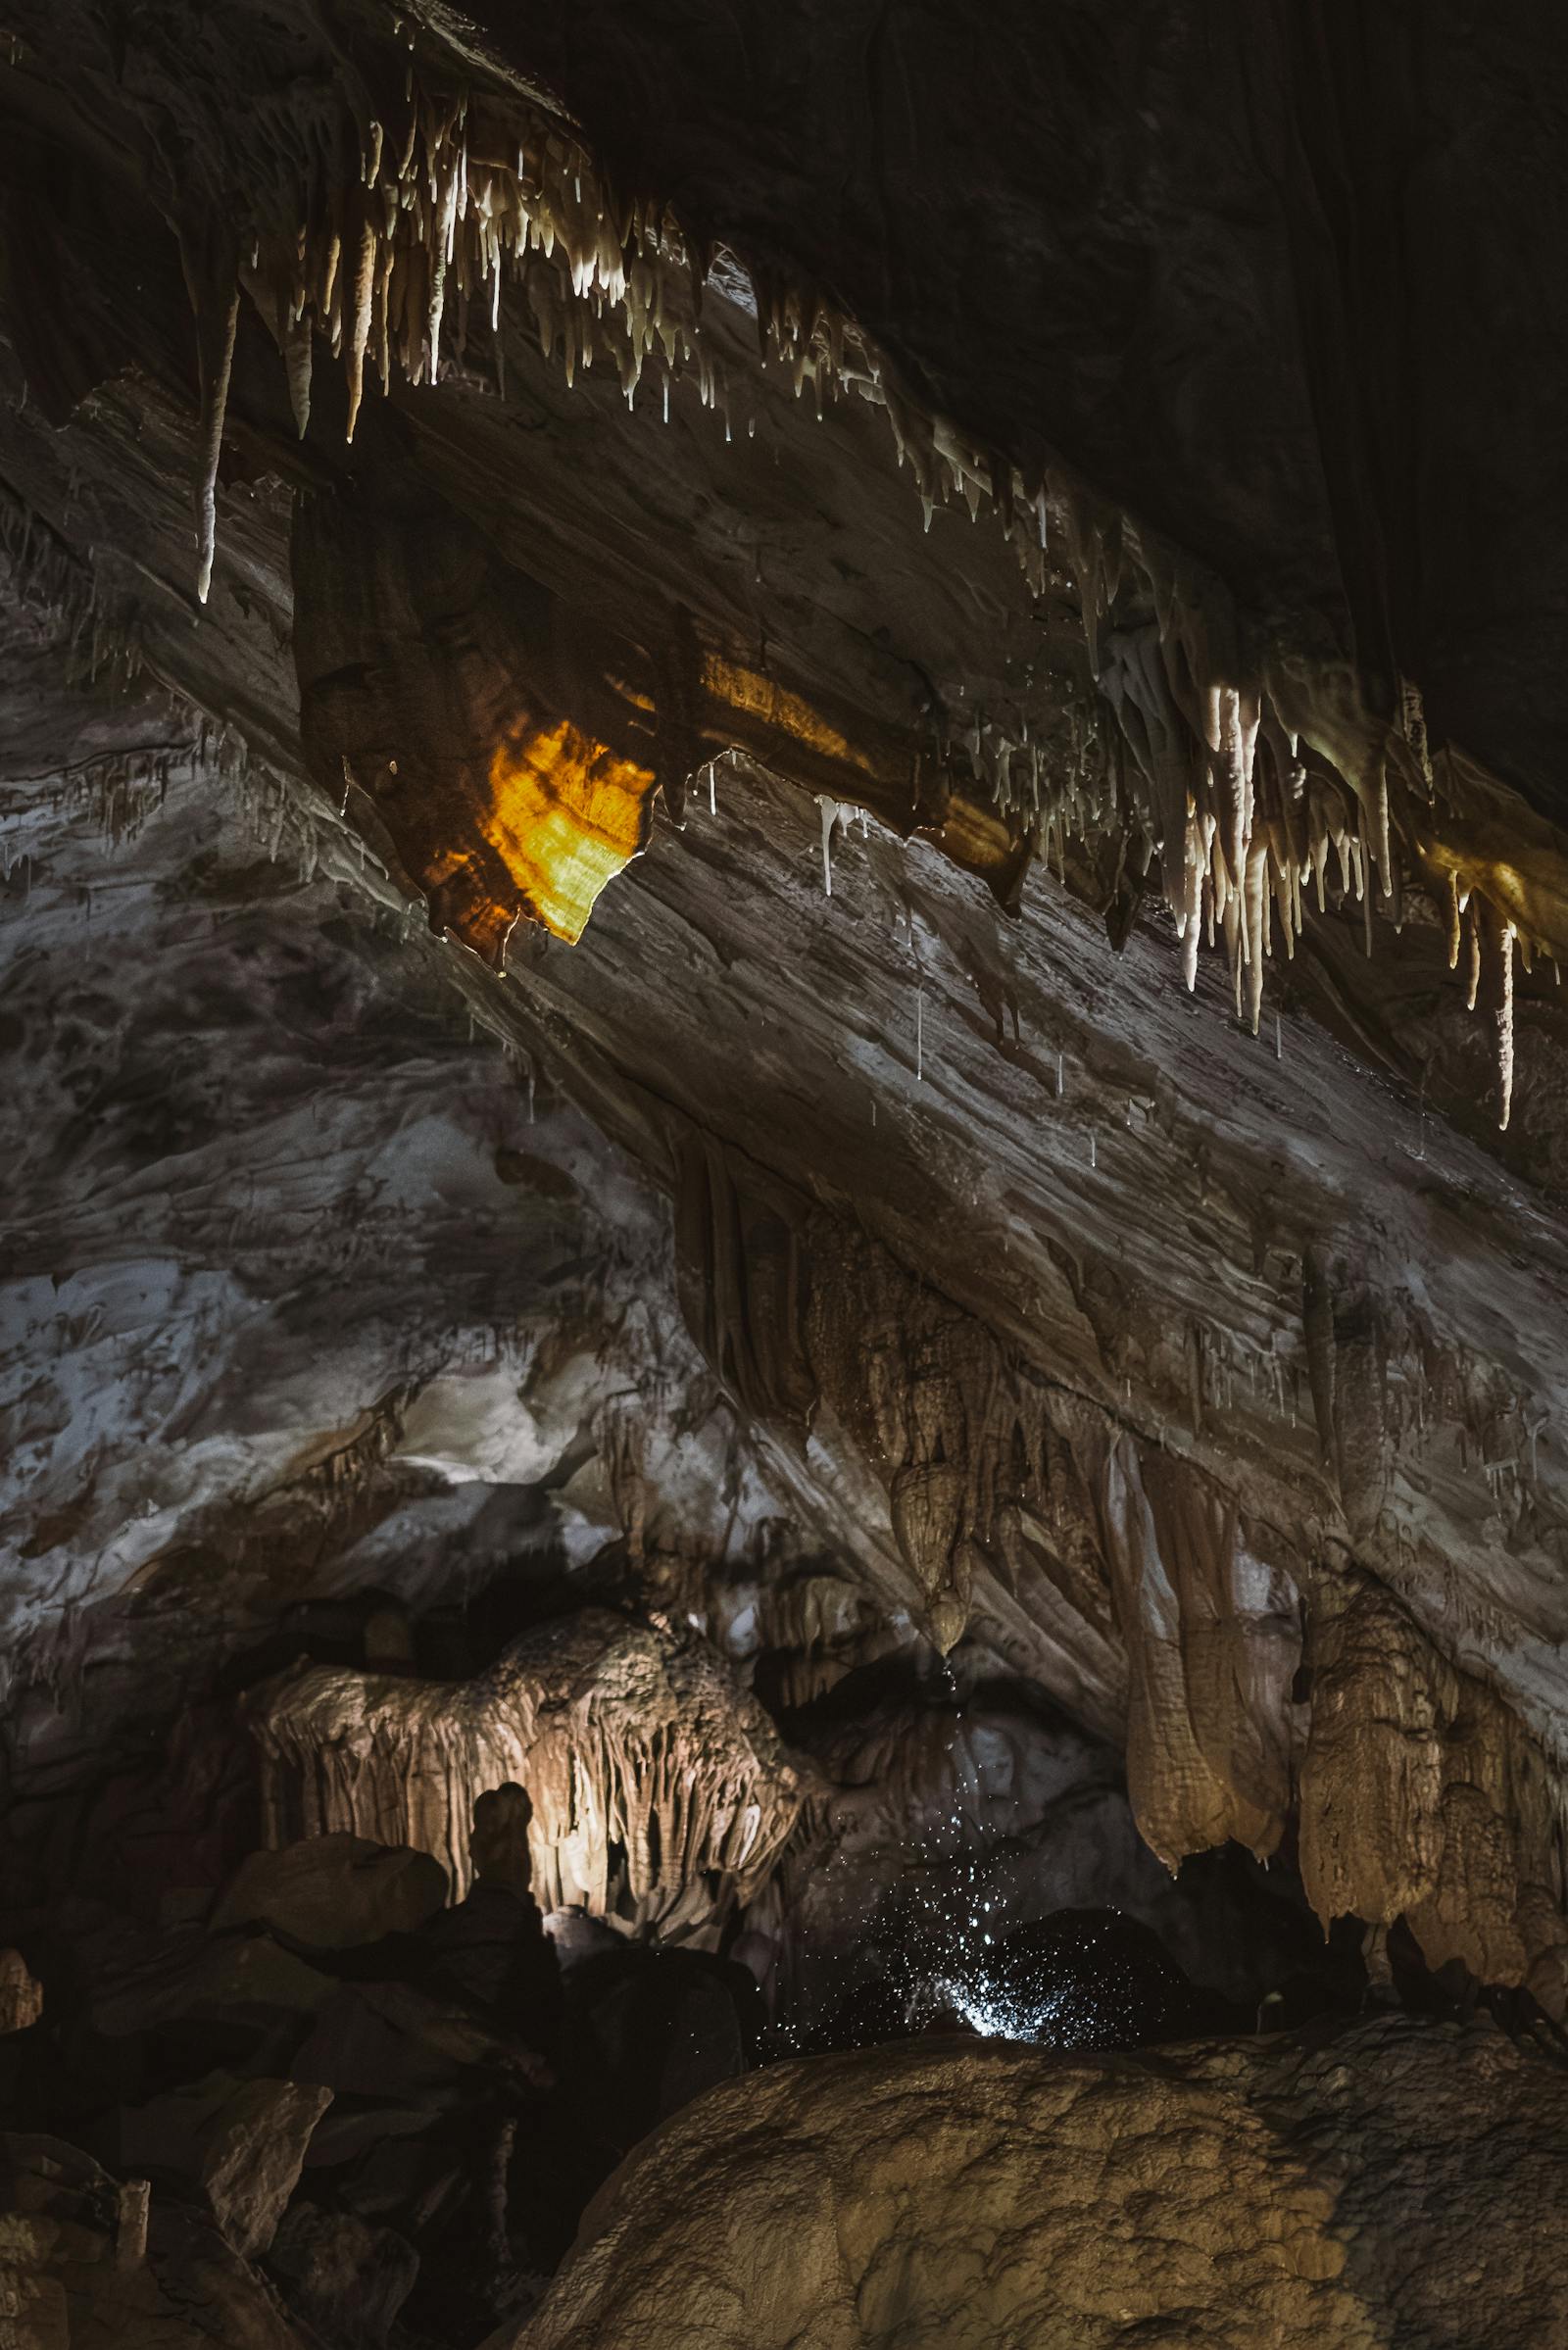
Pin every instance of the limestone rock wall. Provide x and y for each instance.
(1259, 1683)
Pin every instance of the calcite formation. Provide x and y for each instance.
(1239, 774)
(660, 1794)
(1238, 761)
(1213, 1644)
(1421, 1797)
(1394, 2183)
(1390, 1758)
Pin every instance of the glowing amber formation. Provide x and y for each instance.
(749, 695)
(565, 816)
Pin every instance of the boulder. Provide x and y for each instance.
(347, 2280)
(334, 1893)
(59, 2213)
(192, 2005)
(1397, 2181)
(71, 2273)
(240, 2144)
(651, 2030)
(395, 2040)
(248, 1984)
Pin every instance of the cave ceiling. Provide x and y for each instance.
(783, 801)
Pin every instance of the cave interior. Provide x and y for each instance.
(783, 864)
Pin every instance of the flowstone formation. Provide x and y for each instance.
(626, 1743)
(1399, 2185)
(785, 1125)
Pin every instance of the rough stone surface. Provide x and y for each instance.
(66, 2281)
(238, 2143)
(334, 1892)
(345, 2278)
(1399, 2183)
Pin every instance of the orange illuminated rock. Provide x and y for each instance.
(566, 816)
(494, 745)
(501, 746)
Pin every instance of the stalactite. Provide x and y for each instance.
(362, 297)
(1212, 1645)
(1240, 815)
(830, 816)
(1504, 1017)
(1422, 1797)
(629, 1742)
(958, 1432)
(217, 321)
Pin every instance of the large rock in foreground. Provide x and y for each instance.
(84, 2265)
(1399, 2183)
